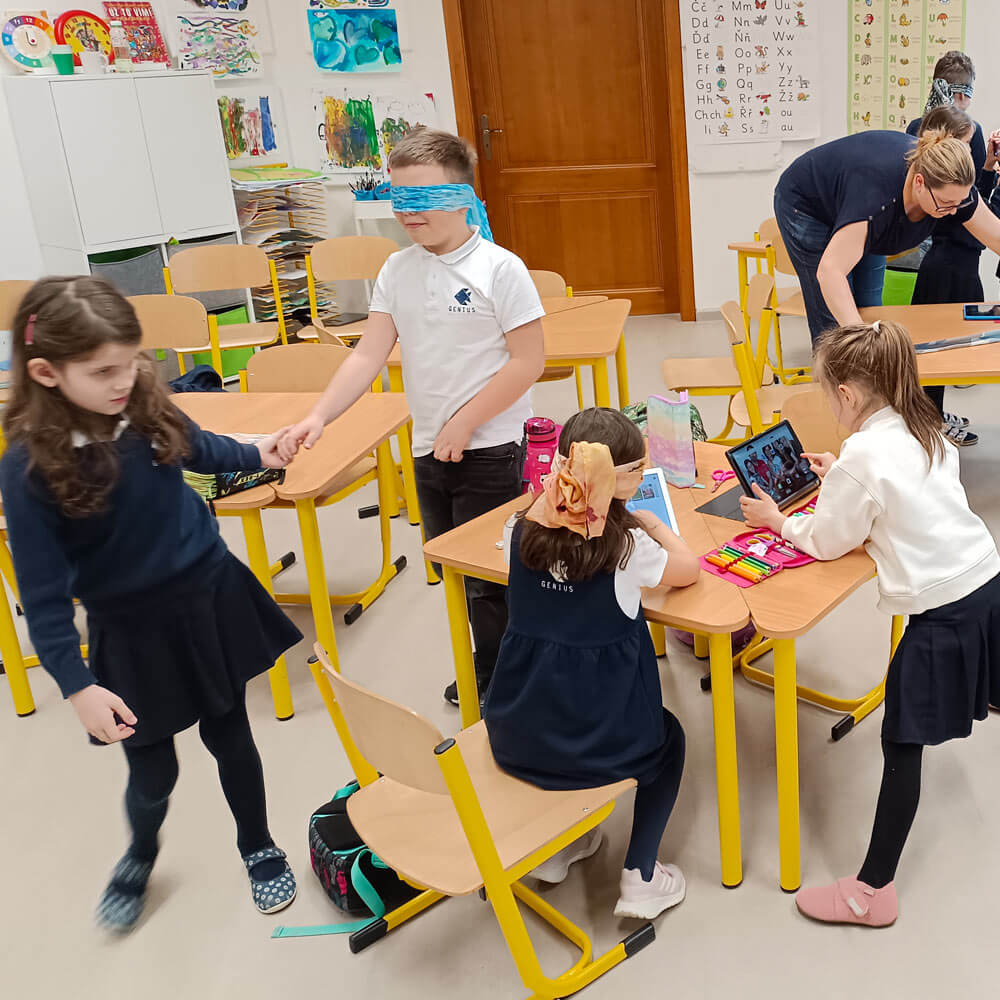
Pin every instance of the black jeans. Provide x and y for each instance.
(451, 493)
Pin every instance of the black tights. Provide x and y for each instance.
(654, 801)
(153, 773)
(897, 805)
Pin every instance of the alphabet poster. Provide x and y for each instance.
(751, 67)
(894, 45)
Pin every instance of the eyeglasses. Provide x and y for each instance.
(951, 208)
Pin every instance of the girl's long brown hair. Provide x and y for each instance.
(883, 362)
(581, 558)
(73, 317)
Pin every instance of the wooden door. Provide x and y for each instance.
(576, 168)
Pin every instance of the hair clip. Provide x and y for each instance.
(29, 330)
(875, 326)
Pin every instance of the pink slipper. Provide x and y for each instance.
(849, 901)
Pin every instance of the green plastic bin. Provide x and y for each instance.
(898, 287)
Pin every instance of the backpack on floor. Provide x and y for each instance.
(352, 875)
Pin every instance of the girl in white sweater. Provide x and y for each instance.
(896, 488)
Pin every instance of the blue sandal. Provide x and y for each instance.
(121, 905)
(273, 894)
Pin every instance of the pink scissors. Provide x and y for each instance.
(721, 476)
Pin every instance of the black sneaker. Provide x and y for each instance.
(451, 692)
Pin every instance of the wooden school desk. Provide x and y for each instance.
(963, 365)
(582, 336)
(364, 427)
(711, 607)
(782, 609)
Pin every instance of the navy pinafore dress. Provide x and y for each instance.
(575, 700)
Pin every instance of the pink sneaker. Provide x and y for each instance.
(849, 901)
(645, 900)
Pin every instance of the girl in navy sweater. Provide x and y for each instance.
(575, 701)
(97, 508)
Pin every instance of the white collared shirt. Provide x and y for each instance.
(452, 312)
(80, 440)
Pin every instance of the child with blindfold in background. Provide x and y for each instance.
(575, 700)
(468, 319)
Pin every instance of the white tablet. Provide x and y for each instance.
(652, 495)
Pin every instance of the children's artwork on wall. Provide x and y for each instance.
(395, 116)
(142, 29)
(248, 125)
(225, 45)
(217, 4)
(347, 134)
(334, 4)
(355, 40)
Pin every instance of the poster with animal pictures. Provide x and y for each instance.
(250, 124)
(893, 47)
(357, 131)
(751, 68)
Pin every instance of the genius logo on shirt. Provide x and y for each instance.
(463, 297)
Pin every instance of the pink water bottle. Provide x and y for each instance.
(541, 438)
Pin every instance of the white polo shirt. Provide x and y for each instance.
(452, 313)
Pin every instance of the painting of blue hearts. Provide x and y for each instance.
(355, 40)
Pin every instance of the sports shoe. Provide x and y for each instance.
(954, 418)
(960, 436)
(645, 900)
(849, 901)
(451, 691)
(121, 904)
(557, 867)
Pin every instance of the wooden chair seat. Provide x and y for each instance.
(419, 834)
(771, 399)
(701, 373)
(236, 335)
(349, 331)
(557, 373)
(790, 302)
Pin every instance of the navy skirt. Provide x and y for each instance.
(185, 649)
(949, 273)
(946, 671)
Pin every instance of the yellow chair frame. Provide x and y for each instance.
(413, 774)
(778, 262)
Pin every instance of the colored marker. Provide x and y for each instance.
(728, 550)
(716, 561)
(748, 574)
(765, 567)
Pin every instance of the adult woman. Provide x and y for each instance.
(843, 206)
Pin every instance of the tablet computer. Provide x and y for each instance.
(652, 495)
(980, 311)
(773, 459)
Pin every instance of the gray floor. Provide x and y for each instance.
(62, 825)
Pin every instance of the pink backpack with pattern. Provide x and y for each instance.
(541, 439)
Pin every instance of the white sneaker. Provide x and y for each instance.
(645, 900)
(557, 867)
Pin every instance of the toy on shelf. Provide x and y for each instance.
(84, 32)
(754, 556)
(27, 41)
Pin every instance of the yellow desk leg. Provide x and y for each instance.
(741, 265)
(786, 732)
(409, 481)
(253, 532)
(13, 659)
(602, 394)
(461, 646)
(621, 371)
(701, 646)
(726, 773)
(659, 636)
(395, 378)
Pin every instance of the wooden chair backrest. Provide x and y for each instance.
(810, 415)
(295, 367)
(394, 740)
(735, 327)
(219, 268)
(770, 233)
(759, 295)
(170, 322)
(351, 258)
(549, 284)
(11, 293)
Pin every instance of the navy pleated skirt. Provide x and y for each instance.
(949, 273)
(186, 649)
(946, 671)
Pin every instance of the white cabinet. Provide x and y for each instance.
(113, 162)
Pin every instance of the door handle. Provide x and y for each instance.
(487, 133)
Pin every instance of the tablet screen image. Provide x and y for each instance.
(652, 495)
(773, 459)
(980, 311)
